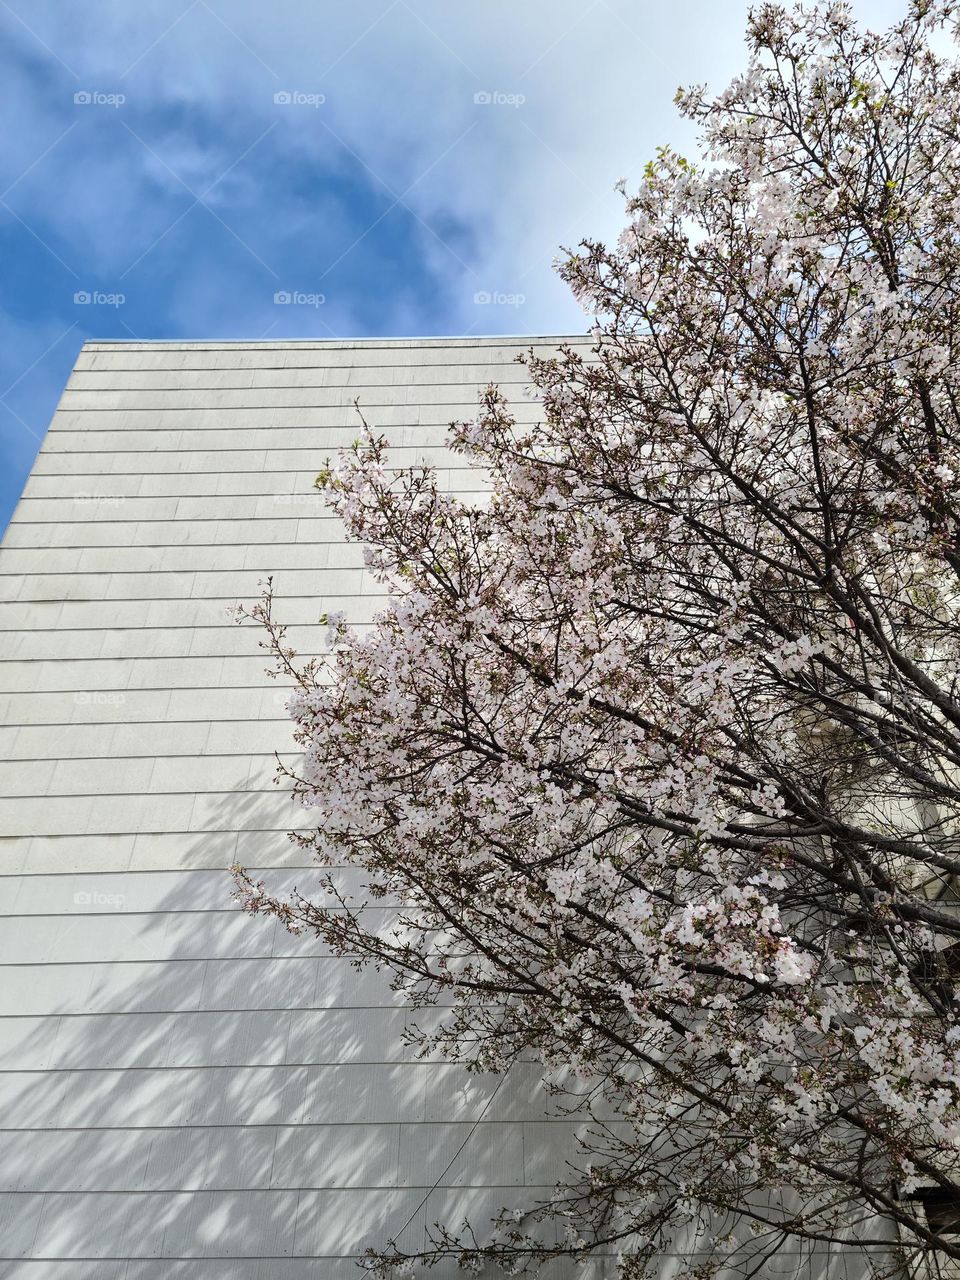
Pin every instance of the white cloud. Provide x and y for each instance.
(595, 83)
(582, 94)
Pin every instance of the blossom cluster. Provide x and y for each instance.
(659, 743)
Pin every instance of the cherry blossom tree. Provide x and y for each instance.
(658, 743)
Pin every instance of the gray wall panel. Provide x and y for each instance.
(186, 1092)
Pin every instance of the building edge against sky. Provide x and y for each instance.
(185, 1091)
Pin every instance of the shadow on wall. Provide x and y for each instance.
(212, 1087)
(212, 1097)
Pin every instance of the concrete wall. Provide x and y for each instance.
(187, 1092)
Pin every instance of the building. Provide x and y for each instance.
(187, 1092)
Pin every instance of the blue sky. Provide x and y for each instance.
(393, 167)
